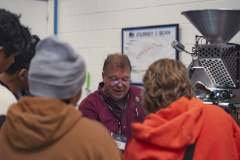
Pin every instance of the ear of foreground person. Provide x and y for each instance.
(46, 124)
(177, 121)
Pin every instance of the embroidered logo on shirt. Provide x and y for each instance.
(137, 99)
(137, 102)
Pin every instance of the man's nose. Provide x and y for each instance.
(120, 84)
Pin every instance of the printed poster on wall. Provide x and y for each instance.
(145, 45)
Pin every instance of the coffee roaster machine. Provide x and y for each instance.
(215, 67)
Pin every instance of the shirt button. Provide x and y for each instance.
(124, 126)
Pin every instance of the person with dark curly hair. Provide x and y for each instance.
(15, 77)
(179, 126)
(14, 38)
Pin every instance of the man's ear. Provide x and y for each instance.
(22, 75)
(103, 75)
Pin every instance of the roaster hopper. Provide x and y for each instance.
(216, 80)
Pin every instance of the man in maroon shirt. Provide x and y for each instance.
(116, 104)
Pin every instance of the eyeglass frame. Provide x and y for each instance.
(118, 82)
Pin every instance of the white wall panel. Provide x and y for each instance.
(109, 5)
(68, 8)
(87, 6)
(99, 21)
(34, 14)
(77, 23)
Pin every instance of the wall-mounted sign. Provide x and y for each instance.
(145, 45)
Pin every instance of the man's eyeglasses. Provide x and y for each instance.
(116, 82)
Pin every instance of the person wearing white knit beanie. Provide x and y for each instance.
(46, 125)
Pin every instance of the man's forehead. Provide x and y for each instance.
(116, 67)
(119, 73)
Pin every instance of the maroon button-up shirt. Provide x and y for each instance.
(94, 107)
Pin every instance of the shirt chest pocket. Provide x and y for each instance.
(137, 114)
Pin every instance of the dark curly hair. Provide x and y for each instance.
(22, 61)
(165, 81)
(14, 37)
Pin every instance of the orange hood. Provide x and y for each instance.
(173, 127)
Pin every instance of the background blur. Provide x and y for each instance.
(93, 27)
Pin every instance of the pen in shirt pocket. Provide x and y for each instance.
(136, 111)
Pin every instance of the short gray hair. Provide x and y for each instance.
(117, 59)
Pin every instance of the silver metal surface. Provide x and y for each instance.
(220, 63)
(201, 75)
(178, 46)
(218, 81)
(218, 26)
(220, 73)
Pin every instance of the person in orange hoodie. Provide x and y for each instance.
(179, 126)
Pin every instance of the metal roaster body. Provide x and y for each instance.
(215, 67)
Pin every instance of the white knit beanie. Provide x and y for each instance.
(56, 70)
